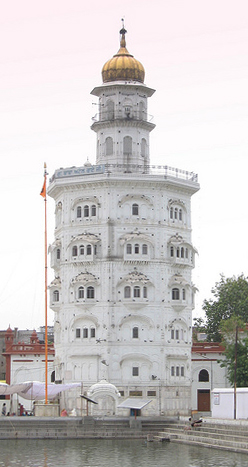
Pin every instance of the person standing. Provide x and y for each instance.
(4, 409)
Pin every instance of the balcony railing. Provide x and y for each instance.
(164, 171)
(107, 116)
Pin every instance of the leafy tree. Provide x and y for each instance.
(230, 299)
(231, 330)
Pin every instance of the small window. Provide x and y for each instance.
(136, 249)
(177, 334)
(180, 214)
(74, 250)
(144, 292)
(90, 292)
(178, 252)
(135, 209)
(186, 253)
(135, 371)
(93, 210)
(95, 250)
(135, 332)
(58, 253)
(78, 333)
(144, 249)
(203, 376)
(79, 211)
(172, 371)
(172, 334)
(56, 296)
(171, 213)
(81, 292)
(175, 294)
(175, 213)
(136, 291)
(184, 294)
(86, 211)
(129, 249)
(92, 332)
(127, 292)
(85, 333)
(177, 371)
(171, 251)
(81, 250)
(182, 370)
(88, 250)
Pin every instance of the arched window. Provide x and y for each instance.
(74, 250)
(109, 146)
(127, 292)
(93, 210)
(144, 249)
(79, 211)
(85, 333)
(182, 252)
(182, 370)
(110, 110)
(90, 292)
(145, 292)
(172, 251)
(203, 376)
(178, 252)
(81, 250)
(92, 332)
(58, 253)
(135, 209)
(127, 145)
(180, 214)
(129, 249)
(143, 147)
(171, 213)
(95, 249)
(175, 294)
(186, 253)
(141, 111)
(53, 376)
(172, 334)
(88, 250)
(135, 332)
(184, 294)
(78, 333)
(175, 213)
(136, 291)
(56, 296)
(86, 211)
(177, 334)
(81, 292)
(136, 249)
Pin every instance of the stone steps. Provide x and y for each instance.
(215, 436)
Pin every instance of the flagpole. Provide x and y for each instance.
(43, 193)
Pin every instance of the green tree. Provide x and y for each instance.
(230, 299)
(233, 329)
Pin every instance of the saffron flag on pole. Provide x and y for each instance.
(43, 191)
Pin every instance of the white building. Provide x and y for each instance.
(123, 257)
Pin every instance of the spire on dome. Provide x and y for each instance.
(123, 31)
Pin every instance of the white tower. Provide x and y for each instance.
(122, 256)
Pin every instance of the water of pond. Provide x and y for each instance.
(112, 453)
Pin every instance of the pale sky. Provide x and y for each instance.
(195, 53)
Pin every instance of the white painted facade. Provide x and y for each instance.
(122, 258)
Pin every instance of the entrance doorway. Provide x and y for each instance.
(203, 400)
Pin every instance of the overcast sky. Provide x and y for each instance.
(195, 53)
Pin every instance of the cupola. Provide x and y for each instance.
(123, 66)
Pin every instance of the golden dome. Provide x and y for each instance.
(123, 66)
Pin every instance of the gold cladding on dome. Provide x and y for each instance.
(123, 66)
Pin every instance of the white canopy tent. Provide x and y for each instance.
(35, 390)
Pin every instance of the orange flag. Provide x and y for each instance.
(43, 191)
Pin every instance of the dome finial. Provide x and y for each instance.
(123, 32)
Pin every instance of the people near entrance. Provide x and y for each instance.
(4, 409)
